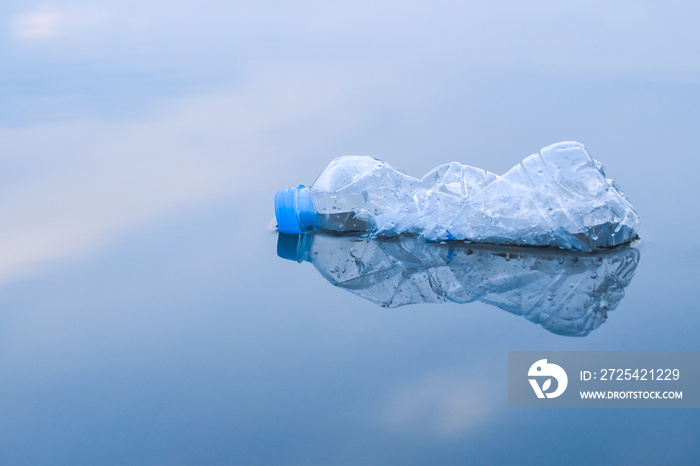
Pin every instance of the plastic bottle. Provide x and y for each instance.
(558, 197)
(567, 292)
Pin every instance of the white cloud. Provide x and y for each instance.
(597, 38)
(50, 23)
(85, 183)
(39, 24)
(441, 405)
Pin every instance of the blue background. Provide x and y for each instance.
(146, 318)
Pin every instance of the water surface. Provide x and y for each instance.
(147, 317)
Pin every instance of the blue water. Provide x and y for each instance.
(147, 318)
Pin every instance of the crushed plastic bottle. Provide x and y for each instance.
(558, 197)
(566, 292)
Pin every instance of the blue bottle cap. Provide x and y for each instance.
(294, 247)
(294, 210)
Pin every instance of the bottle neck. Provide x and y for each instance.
(306, 213)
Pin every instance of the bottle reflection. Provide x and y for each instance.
(568, 293)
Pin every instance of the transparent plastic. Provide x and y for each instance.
(558, 197)
(566, 292)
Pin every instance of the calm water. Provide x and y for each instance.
(147, 318)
